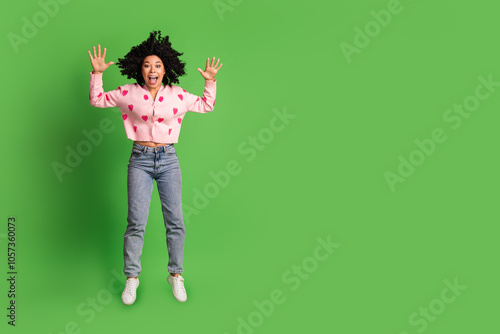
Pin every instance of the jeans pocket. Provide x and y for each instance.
(171, 151)
(136, 152)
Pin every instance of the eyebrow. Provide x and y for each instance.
(147, 61)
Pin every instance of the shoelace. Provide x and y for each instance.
(129, 286)
(177, 283)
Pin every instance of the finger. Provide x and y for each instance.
(207, 63)
(219, 66)
(99, 50)
(217, 63)
(95, 56)
(202, 73)
(91, 59)
(104, 54)
(110, 63)
(213, 59)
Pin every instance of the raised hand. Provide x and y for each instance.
(210, 70)
(98, 63)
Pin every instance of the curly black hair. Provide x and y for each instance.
(158, 46)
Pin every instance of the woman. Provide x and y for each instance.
(152, 112)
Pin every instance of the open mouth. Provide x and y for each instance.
(152, 79)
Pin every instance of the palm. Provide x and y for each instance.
(210, 69)
(98, 62)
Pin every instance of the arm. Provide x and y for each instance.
(97, 96)
(207, 102)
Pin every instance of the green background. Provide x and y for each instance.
(322, 175)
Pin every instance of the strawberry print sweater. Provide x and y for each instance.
(146, 119)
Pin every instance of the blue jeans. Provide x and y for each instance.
(145, 165)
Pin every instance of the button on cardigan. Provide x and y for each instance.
(146, 119)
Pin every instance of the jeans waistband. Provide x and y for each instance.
(145, 149)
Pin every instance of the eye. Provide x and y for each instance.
(158, 66)
(146, 66)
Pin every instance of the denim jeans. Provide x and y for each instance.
(145, 165)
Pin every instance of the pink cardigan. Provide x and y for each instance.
(147, 120)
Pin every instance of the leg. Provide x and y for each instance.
(139, 188)
(169, 188)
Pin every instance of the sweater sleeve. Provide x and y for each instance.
(99, 98)
(204, 104)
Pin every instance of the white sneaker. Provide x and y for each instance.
(178, 290)
(128, 294)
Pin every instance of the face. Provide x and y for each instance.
(153, 71)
